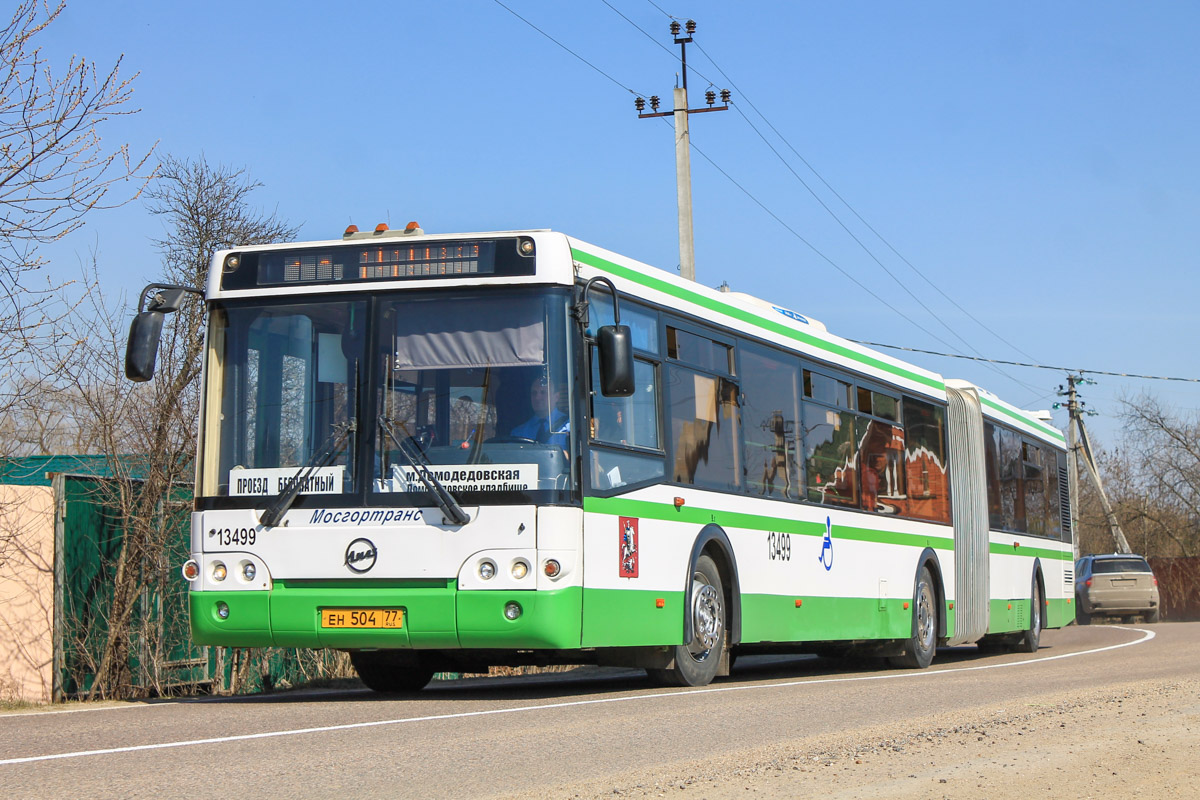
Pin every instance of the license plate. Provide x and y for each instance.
(362, 618)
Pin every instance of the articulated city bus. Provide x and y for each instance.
(441, 452)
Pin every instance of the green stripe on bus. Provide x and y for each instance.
(1053, 433)
(753, 319)
(1030, 552)
(644, 509)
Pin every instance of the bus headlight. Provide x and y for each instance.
(248, 571)
(512, 610)
(487, 570)
(519, 569)
(219, 571)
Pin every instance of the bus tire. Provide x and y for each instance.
(921, 645)
(1028, 641)
(391, 672)
(696, 662)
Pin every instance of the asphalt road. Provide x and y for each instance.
(535, 735)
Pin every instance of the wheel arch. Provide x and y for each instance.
(713, 540)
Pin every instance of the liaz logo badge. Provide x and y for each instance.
(361, 555)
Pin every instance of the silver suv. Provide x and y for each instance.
(1116, 585)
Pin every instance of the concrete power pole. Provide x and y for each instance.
(1081, 448)
(683, 159)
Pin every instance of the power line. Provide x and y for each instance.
(847, 204)
(1075, 370)
(758, 202)
(833, 214)
(569, 50)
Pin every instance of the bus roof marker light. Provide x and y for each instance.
(413, 229)
(381, 228)
(350, 230)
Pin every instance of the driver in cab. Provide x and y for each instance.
(549, 423)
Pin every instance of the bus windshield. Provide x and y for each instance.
(477, 386)
(284, 398)
(372, 399)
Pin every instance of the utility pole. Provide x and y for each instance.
(683, 155)
(1080, 444)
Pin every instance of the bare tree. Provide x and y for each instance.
(1153, 480)
(1164, 447)
(54, 170)
(149, 430)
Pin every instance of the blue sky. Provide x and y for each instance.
(1036, 161)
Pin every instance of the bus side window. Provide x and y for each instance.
(623, 429)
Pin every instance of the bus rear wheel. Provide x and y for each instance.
(390, 671)
(920, 647)
(1028, 641)
(696, 663)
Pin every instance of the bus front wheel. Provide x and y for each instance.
(391, 672)
(696, 663)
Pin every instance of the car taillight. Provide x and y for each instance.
(1155, 581)
(1088, 582)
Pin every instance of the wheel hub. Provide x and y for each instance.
(707, 622)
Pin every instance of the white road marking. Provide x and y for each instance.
(122, 707)
(1148, 635)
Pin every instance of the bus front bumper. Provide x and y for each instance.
(432, 617)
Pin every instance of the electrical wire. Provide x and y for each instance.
(569, 50)
(754, 199)
(846, 203)
(857, 240)
(1075, 370)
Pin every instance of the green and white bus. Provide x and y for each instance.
(442, 452)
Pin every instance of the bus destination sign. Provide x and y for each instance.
(382, 261)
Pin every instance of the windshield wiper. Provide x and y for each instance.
(445, 501)
(324, 457)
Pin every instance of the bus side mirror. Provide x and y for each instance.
(141, 352)
(616, 360)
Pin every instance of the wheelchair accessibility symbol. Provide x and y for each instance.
(826, 556)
